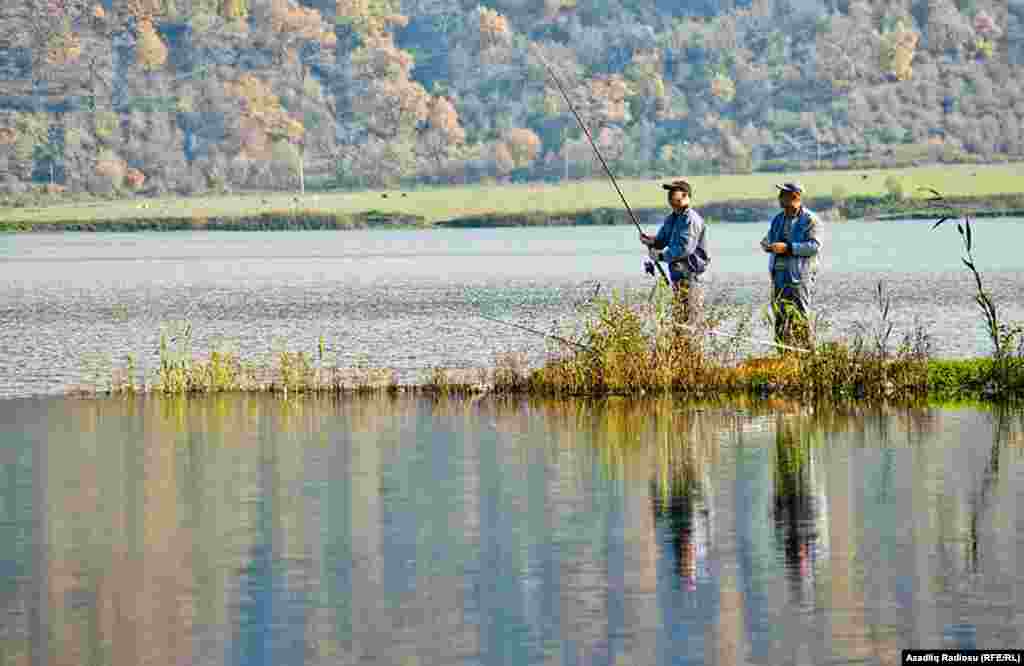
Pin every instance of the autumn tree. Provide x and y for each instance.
(29, 131)
(504, 163)
(64, 46)
(897, 52)
(263, 122)
(611, 140)
(494, 30)
(843, 52)
(644, 77)
(387, 101)
(522, 145)
(607, 100)
(138, 10)
(150, 50)
(443, 135)
(49, 31)
(723, 88)
(495, 36)
(233, 9)
(310, 42)
(736, 156)
(109, 170)
(392, 107)
(370, 18)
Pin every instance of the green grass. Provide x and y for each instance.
(627, 347)
(437, 204)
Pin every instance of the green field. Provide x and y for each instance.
(446, 203)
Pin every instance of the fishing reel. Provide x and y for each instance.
(649, 267)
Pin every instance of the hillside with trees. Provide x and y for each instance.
(150, 97)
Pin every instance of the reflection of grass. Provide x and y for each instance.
(445, 203)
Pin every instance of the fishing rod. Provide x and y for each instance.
(536, 332)
(597, 152)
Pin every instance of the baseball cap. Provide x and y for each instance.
(678, 185)
(791, 187)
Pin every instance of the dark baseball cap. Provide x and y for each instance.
(791, 187)
(681, 185)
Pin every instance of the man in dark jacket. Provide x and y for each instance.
(794, 240)
(682, 244)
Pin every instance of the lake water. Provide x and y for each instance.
(72, 305)
(410, 531)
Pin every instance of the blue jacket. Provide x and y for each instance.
(805, 243)
(680, 236)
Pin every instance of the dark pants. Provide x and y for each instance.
(791, 307)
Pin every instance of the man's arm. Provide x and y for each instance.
(662, 239)
(766, 242)
(812, 244)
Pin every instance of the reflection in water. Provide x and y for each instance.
(681, 499)
(251, 530)
(801, 506)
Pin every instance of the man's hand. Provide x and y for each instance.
(654, 254)
(646, 240)
(778, 248)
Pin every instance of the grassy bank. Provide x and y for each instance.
(993, 188)
(624, 348)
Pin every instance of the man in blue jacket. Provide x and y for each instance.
(793, 241)
(682, 244)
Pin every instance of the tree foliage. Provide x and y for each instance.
(151, 51)
(897, 52)
(224, 91)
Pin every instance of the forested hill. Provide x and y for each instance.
(158, 96)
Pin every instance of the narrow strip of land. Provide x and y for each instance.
(733, 197)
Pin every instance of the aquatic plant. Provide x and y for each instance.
(1007, 371)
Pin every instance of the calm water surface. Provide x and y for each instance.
(73, 305)
(251, 530)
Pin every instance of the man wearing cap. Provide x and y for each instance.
(793, 241)
(682, 244)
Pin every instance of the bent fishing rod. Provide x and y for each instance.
(597, 152)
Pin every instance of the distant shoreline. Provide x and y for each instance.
(726, 211)
(989, 191)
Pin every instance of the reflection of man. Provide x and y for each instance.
(688, 518)
(800, 509)
(692, 550)
(793, 241)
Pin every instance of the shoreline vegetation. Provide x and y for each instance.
(988, 191)
(622, 347)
